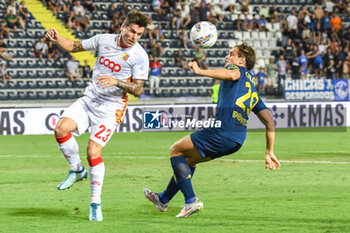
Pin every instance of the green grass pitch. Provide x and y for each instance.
(311, 192)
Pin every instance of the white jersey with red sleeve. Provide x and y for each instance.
(115, 61)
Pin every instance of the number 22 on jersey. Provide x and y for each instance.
(253, 96)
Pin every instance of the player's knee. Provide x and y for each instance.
(59, 131)
(173, 151)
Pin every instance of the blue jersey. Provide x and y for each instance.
(237, 99)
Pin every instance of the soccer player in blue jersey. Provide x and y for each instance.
(237, 98)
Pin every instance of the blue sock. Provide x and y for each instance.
(172, 189)
(183, 175)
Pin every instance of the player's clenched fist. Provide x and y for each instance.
(52, 35)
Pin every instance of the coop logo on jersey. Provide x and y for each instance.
(152, 120)
(114, 67)
(125, 57)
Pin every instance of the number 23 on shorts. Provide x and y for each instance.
(103, 134)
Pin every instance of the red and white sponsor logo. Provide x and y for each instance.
(114, 67)
(96, 183)
(68, 156)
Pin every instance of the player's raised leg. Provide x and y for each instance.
(97, 172)
(70, 149)
(183, 155)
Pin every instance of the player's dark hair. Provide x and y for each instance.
(248, 52)
(137, 18)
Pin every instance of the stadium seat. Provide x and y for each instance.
(199, 82)
(50, 84)
(191, 92)
(79, 84)
(69, 95)
(11, 85)
(50, 95)
(173, 93)
(11, 95)
(21, 95)
(60, 94)
(180, 72)
(190, 82)
(21, 84)
(3, 96)
(164, 93)
(40, 84)
(163, 83)
(29, 74)
(30, 95)
(30, 84)
(172, 82)
(68, 83)
(29, 63)
(182, 92)
(40, 95)
(200, 92)
(40, 74)
(78, 94)
(181, 82)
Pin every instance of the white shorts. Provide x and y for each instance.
(102, 117)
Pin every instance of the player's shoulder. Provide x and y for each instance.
(140, 51)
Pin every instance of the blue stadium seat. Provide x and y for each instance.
(164, 93)
(181, 82)
(180, 72)
(21, 74)
(21, 84)
(30, 84)
(200, 92)
(173, 93)
(29, 44)
(199, 82)
(69, 84)
(29, 63)
(163, 83)
(211, 63)
(50, 84)
(172, 82)
(191, 92)
(49, 74)
(78, 94)
(60, 95)
(40, 74)
(20, 53)
(60, 84)
(69, 95)
(79, 84)
(21, 64)
(40, 95)
(210, 53)
(11, 85)
(11, 95)
(21, 95)
(40, 84)
(182, 92)
(208, 82)
(147, 92)
(40, 64)
(50, 95)
(189, 82)
(3, 96)
(31, 95)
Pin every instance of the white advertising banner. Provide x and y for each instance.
(33, 121)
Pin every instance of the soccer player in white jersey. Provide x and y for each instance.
(121, 67)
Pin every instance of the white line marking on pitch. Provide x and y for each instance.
(158, 157)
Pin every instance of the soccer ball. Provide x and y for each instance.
(204, 34)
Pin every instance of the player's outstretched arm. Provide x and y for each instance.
(66, 44)
(221, 74)
(134, 87)
(270, 159)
